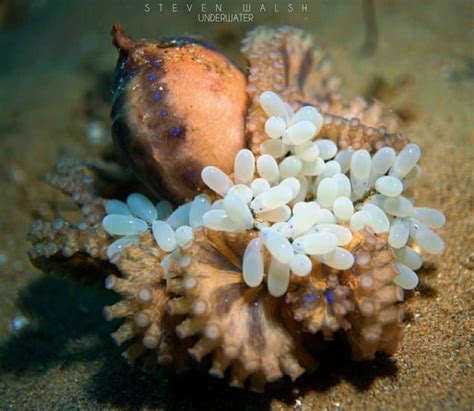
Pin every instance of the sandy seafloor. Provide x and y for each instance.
(56, 61)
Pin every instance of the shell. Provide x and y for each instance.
(162, 95)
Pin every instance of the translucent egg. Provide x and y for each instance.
(359, 220)
(180, 216)
(252, 264)
(238, 211)
(429, 216)
(343, 208)
(290, 167)
(273, 198)
(383, 160)
(275, 148)
(378, 219)
(299, 133)
(164, 235)
(398, 206)
(199, 206)
(409, 257)
(343, 185)
(399, 233)
(278, 246)
(164, 209)
(117, 207)
(244, 166)
(272, 104)
(279, 214)
(407, 278)
(405, 161)
(268, 168)
(308, 113)
(327, 192)
(308, 151)
(218, 220)
(243, 191)
(327, 149)
(275, 127)
(259, 185)
(142, 207)
(313, 168)
(340, 259)
(315, 243)
(301, 265)
(216, 180)
(184, 235)
(389, 186)
(344, 157)
(118, 224)
(278, 278)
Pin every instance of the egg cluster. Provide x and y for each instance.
(304, 198)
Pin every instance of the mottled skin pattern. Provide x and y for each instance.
(202, 308)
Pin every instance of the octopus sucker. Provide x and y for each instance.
(302, 75)
(297, 222)
(238, 325)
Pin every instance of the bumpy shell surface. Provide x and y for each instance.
(178, 107)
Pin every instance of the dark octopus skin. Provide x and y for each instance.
(171, 100)
(179, 106)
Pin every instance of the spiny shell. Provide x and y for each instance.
(178, 106)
